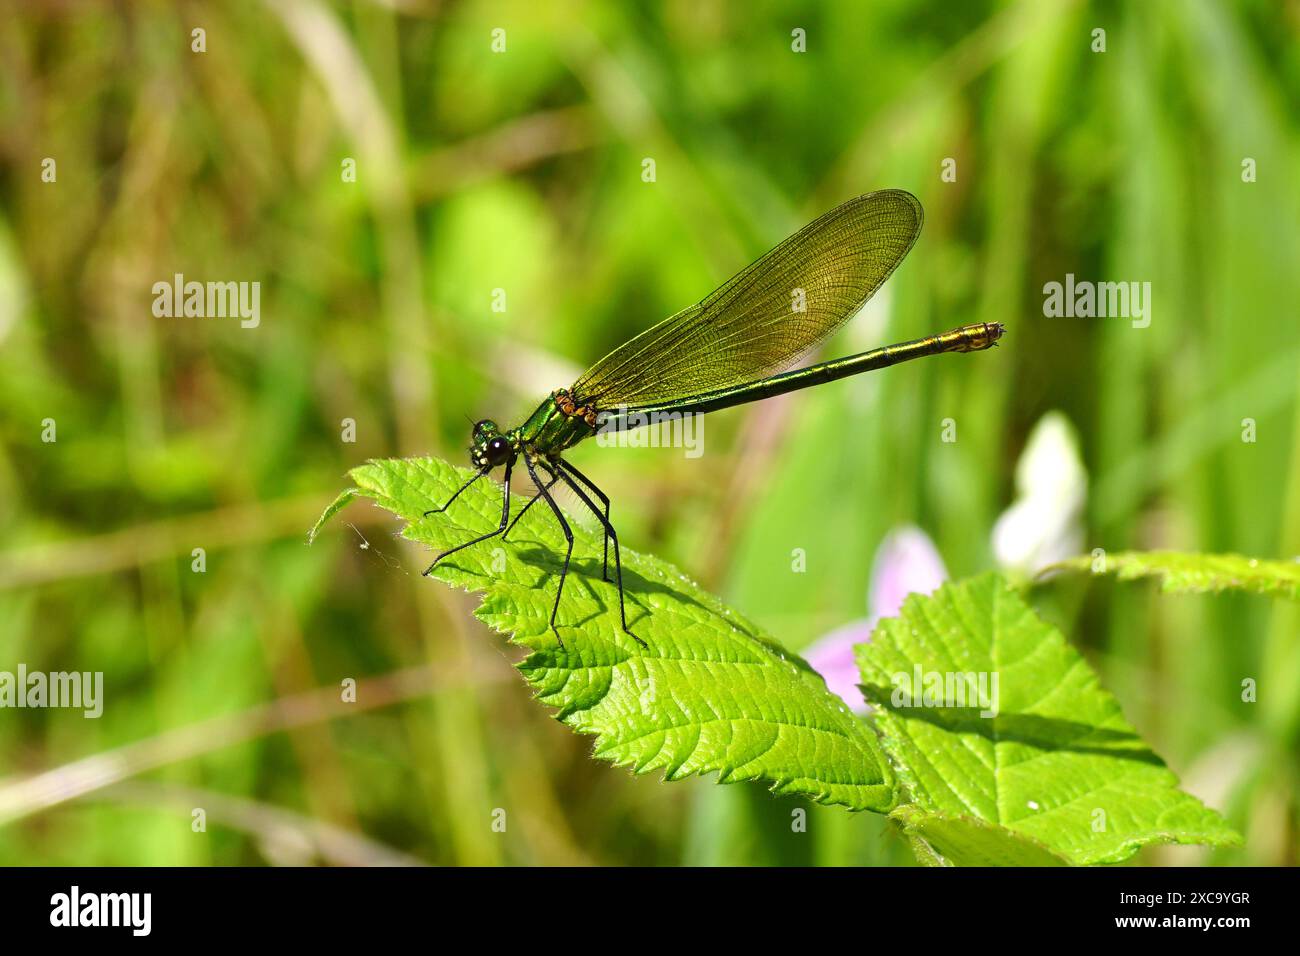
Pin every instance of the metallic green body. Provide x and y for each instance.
(548, 431)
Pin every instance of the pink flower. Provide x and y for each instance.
(832, 657)
(906, 563)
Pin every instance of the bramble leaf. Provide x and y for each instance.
(710, 693)
(1053, 761)
(970, 841)
(1181, 571)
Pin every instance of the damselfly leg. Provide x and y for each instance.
(505, 517)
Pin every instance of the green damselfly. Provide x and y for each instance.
(729, 349)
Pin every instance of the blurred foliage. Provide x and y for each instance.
(522, 171)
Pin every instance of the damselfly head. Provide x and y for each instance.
(487, 447)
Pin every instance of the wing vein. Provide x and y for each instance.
(750, 327)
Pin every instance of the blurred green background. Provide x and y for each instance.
(522, 170)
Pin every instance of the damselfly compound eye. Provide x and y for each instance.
(497, 451)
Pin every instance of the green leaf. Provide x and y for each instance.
(970, 841)
(1057, 764)
(1181, 571)
(711, 693)
(337, 505)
